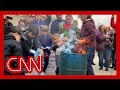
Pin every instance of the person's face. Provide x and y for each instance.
(43, 17)
(107, 29)
(56, 39)
(68, 20)
(59, 17)
(102, 28)
(38, 17)
(45, 33)
(31, 35)
(21, 23)
(83, 17)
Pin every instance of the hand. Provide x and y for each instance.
(60, 43)
(37, 52)
(48, 47)
(107, 37)
(81, 41)
(65, 39)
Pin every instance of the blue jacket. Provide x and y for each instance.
(55, 26)
(45, 40)
(39, 23)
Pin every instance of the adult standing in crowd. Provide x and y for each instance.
(66, 30)
(75, 28)
(55, 26)
(108, 47)
(12, 47)
(100, 47)
(113, 25)
(88, 30)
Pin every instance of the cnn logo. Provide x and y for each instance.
(23, 64)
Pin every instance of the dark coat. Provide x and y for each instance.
(88, 30)
(11, 48)
(28, 44)
(100, 41)
(55, 26)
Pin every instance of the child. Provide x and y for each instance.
(58, 46)
(46, 42)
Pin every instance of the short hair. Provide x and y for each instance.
(26, 22)
(99, 28)
(34, 29)
(55, 35)
(45, 28)
(69, 16)
(89, 17)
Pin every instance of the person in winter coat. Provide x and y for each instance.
(46, 42)
(113, 25)
(100, 45)
(88, 30)
(12, 47)
(66, 30)
(55, 26)
(108, 47)
(31, 42)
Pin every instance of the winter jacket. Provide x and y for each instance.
(88, 30)
(45, 40)
(11, 48)
(109, 41)
(28, 44)
(100, 41)
(55, 26)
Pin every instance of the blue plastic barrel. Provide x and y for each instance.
(73, 64)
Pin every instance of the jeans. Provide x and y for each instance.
(107, 54)
(46, 59)
(100, 56)
(90, 56)
(114, 58)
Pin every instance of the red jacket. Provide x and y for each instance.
(112, 23)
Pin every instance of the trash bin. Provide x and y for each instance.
(73, 64)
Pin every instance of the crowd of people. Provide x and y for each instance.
(43, 34)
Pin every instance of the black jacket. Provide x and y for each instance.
(27, 44)
(11, 48)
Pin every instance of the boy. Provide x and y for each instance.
(46, 42)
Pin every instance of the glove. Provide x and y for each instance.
(32, 51)
(47, 47)
(68, 50)
(37, 52)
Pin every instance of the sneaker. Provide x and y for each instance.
(111, 67)
(100, 68)
(106, 69)
(115, 68)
